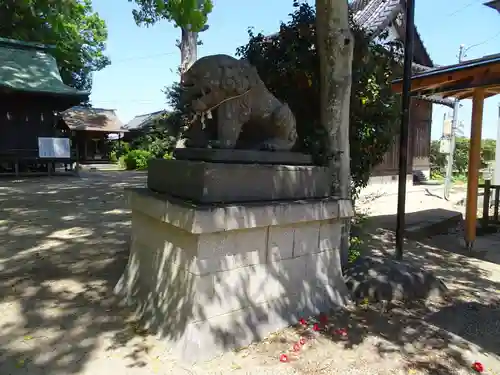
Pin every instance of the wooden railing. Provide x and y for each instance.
(491, 199)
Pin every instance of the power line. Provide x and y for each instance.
(483, 42)
(462, 8)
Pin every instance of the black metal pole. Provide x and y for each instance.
(405, 122)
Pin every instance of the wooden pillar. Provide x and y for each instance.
(85, 147)
(474, 165)
(77, 153)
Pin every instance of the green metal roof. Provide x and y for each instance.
(28, 67)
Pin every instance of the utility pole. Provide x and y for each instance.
(456, 107)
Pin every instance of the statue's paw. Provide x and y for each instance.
(221, 144)
(267, 146)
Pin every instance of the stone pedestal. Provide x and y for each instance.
(214, 182)
(209, 278)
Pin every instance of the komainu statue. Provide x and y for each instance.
(245, 114)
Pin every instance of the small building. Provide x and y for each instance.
(140, 123)
(32, 93)
(376, 17)
(91, 130)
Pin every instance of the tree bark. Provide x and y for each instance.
(335, 50)
(189, 49)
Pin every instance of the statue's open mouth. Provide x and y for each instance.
(192, 93)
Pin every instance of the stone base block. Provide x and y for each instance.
(230, 156)
(232, 183)
(211, 279)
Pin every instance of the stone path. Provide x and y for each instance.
(63, 247)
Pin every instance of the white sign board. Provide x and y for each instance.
(54, 148)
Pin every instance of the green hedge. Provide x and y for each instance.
(136, 160)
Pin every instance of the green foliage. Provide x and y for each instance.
(488, 148)
(437, 160)
(355, 246)
(355, 240)
(159, 137)
(136, 160)
(289, 66)
(76, 31)
(118, 149)
(191, 15)
(461, 155)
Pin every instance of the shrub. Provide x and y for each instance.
(137, 160)
(288, 64)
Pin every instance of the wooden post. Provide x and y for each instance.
(77, 154)
(474, 165)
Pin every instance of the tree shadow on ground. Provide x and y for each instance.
(267, 283)
(63, 246)
(439, 336)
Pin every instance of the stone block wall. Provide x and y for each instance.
(207, 290)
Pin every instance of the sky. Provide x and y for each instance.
(144, 60)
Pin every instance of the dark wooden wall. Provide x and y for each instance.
(22, 121)
(419, 140)
(84, 142)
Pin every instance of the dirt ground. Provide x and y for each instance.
(63, 246)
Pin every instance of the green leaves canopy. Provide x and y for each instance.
(189, 14)
(288, 63)
(76, 31)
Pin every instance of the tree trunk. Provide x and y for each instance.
(189, 49)
(335, 50)
(189, 55)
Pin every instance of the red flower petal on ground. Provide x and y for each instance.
(296, 347)
(303, 321)
(283, 358)
(302, 341)
(316, 327)
(341, 332)
(478, 367)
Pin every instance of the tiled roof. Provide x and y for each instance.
(495, 4)
(92, 119)
(29, 67)
(375, 15)
(357, 5)
(141, 121)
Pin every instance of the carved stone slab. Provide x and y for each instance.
(206, 182)
(243, 156)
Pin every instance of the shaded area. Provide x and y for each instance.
(386, 280)
(471, 311)
(438, 337)
(63, 245)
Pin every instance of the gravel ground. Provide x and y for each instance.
(63, 247)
